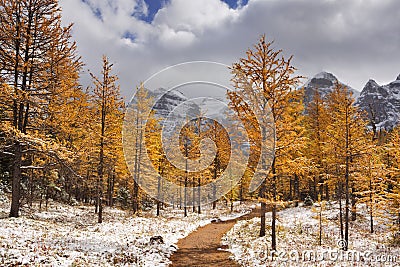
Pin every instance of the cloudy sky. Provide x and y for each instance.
(354, 39)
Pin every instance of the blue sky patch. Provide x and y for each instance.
(95, 11)
(130, 36)
(234, 4)
(153, 7)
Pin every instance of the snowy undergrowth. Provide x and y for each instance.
(298, 240)
(69, 236)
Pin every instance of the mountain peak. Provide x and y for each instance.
(398, 78)
(372, 82)
(384, 101)
(325, 75)
(324, 82)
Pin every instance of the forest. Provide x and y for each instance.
(61, 141)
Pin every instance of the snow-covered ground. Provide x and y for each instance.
(298, 240)
(69, 236)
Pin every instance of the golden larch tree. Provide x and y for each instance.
(265, 80)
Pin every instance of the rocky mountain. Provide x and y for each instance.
(324, 82)
(172, 101)
(382, 103)
(176, 105)
(172, 106)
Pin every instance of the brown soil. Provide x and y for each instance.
(203, 247)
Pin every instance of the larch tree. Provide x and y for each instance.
(67, 108)
(392, 182)
(155, 152)
(292, 140)
(346, 132)
(218, 134)
(30, 29)
(188, 147)
(317, 120)
(265, 80)
(134, 130)
(372, 184)
(109, 107)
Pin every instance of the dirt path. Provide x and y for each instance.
(203, 247)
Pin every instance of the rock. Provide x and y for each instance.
(324, 82)
(381, 103)
(156, 239)
(308, 201)
(216, 220)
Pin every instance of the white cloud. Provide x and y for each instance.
(194, 16)
(356, 40)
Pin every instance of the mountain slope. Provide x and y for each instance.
(382, 103)
(325, 83)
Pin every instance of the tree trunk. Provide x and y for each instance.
(199, 196)
(110, 188)
(100, 184)
(135, 200)
(339, 196)
(320, 219)
(135, 195)
(327, 192)
(16, 181)
(371, 208)
(274, 193)
(100, 218)
(314, 188)
(296, 189)
(353, 205)
(214, 204)
(261, 194)
(321, 188)
(186, 175)
(96, 205)
(185, 197)
(180, 193)
(158, 193)
(194, 194)
(241, 191)
(347, 208)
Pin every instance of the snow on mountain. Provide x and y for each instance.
(214, 108)
(324, 82)
(382, 100)
(382, 103)
(173, 106)
(168, 100)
